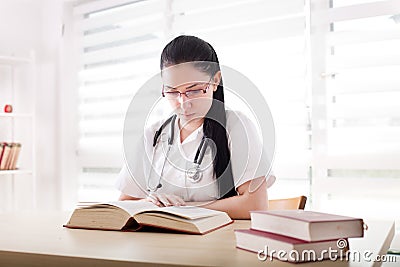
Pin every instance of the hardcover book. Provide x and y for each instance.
(288, 248)
(132, 215)
(307, 225)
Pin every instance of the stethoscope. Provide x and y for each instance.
(193, 174)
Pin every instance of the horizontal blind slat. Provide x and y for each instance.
(123, 33)
(347, 86)
(354, 37)
(227, 17)
(346, 111)
(254, 32)
(274, 6)
(98, 5)
(119, 73)
(112, 54)
(379, 160)
(360, 11)
(337, 63)
(138, 11)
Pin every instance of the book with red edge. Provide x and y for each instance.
(307, 225)
(1, 151)
(287, 248)
(5, 156)
(131, 215)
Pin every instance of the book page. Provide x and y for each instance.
(133, 206)
(189, 212)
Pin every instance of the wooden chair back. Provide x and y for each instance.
(295, 203)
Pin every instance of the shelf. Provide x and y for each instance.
(10, 60)
(16, 115)
(20, 73)
(8, 172)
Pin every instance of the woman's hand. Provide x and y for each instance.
(165, 200)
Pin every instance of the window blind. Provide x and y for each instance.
(267, 42)
(357, 122)
(120, 44)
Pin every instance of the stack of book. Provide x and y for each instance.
(298, 235)
(9, 153)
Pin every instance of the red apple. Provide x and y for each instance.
(8, 108)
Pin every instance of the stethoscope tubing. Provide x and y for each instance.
(195, 176)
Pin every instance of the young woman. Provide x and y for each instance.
(204, 165)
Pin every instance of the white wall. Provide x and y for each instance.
(37, 25)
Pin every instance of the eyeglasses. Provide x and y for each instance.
(189, 93)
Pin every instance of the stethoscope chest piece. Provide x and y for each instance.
(194, 174)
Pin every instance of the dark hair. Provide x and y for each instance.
(184, 49)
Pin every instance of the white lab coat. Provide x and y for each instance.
(245, 146)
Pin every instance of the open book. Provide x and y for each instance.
(131, 215)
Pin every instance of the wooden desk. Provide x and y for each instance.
(40, 240)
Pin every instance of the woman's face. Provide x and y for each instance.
(189, 91)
